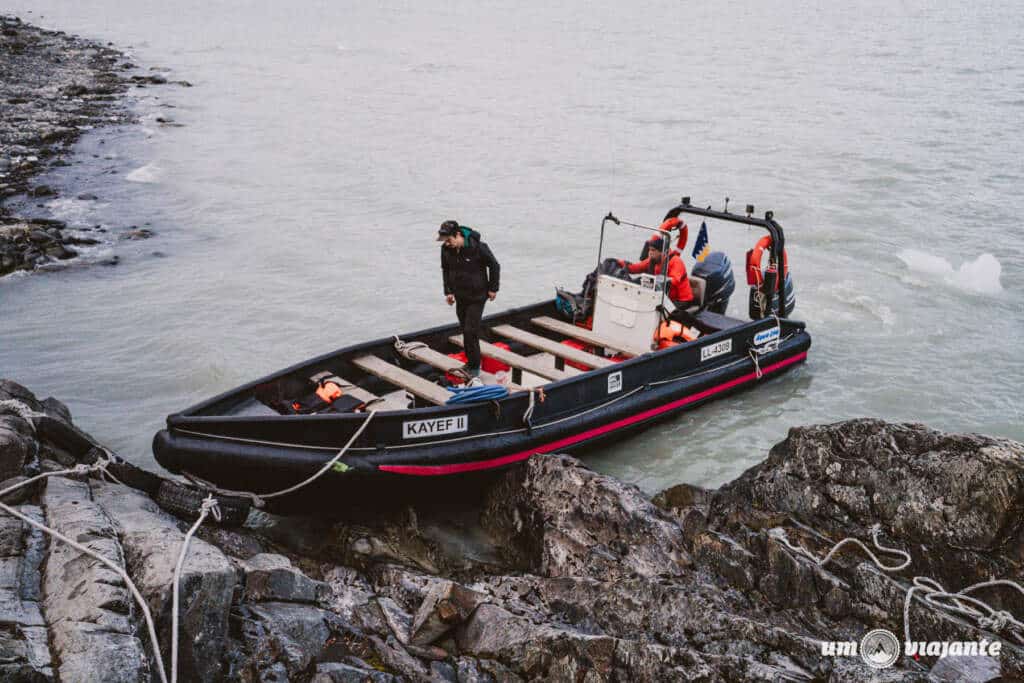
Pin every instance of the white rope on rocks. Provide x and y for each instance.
(780, 534)
(965, 605)
(99, 466)
(23, 411)
(932, 592)
(209, 507)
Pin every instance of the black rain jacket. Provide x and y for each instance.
(472, 271)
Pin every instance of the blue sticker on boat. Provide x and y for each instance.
(765, 336)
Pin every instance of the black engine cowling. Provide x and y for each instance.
(716, 270)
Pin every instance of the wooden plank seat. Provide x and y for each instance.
(436, 359)
(551, 346)
(414, 384)
(376, 402)
(583, 334)
(515, 360)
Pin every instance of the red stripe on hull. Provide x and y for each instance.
(455, 468)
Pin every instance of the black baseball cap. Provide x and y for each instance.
(447, 229)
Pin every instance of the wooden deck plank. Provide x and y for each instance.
(403, 378)
(380, 403)
(551, 346)
(515, 360)
(441, 361)
(582, 334)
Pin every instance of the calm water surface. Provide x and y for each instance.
(323, 142)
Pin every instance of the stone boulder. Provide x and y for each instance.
(555, 517)
(152, 541)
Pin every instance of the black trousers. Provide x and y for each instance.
(469, 313)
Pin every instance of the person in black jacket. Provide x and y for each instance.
(470, 278)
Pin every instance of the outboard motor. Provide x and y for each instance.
(760, 308)
(716, 271)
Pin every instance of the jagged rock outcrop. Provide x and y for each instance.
(87, 605)
(562, 574)
(152, 541)
(24, 650)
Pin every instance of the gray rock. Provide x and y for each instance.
(446, 605)
(339, 672)
(15, 450)
(270, 577)
(398, 659)
(559, 518)
(152, 542)
(88, 607)
(959, 495)
(24, 647)
(52, 406)
(285, 633)
(443, 671)
(19, 495)
(469, 672)
(12, 390)
(955, 669)
(397, 619)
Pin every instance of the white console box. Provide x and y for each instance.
(627, 313)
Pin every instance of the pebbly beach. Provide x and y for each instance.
(53, 88)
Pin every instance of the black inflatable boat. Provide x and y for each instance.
(572, 384)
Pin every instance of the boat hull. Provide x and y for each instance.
(453, 442)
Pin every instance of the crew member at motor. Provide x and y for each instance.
(658, 252)
(470, 278)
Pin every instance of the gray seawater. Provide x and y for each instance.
(323, 142)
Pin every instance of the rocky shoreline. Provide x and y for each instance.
(53, 88)
(559, 574)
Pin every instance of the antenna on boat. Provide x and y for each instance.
(726, 209)
(750, 210)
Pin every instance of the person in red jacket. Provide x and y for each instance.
(675, 273)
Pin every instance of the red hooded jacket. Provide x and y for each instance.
(679, 287)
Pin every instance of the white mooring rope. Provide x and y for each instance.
(259, 499)
(932, 592)
(99, 466)
(209, 507)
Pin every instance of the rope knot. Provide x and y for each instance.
(996, 621)
(210, 506)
